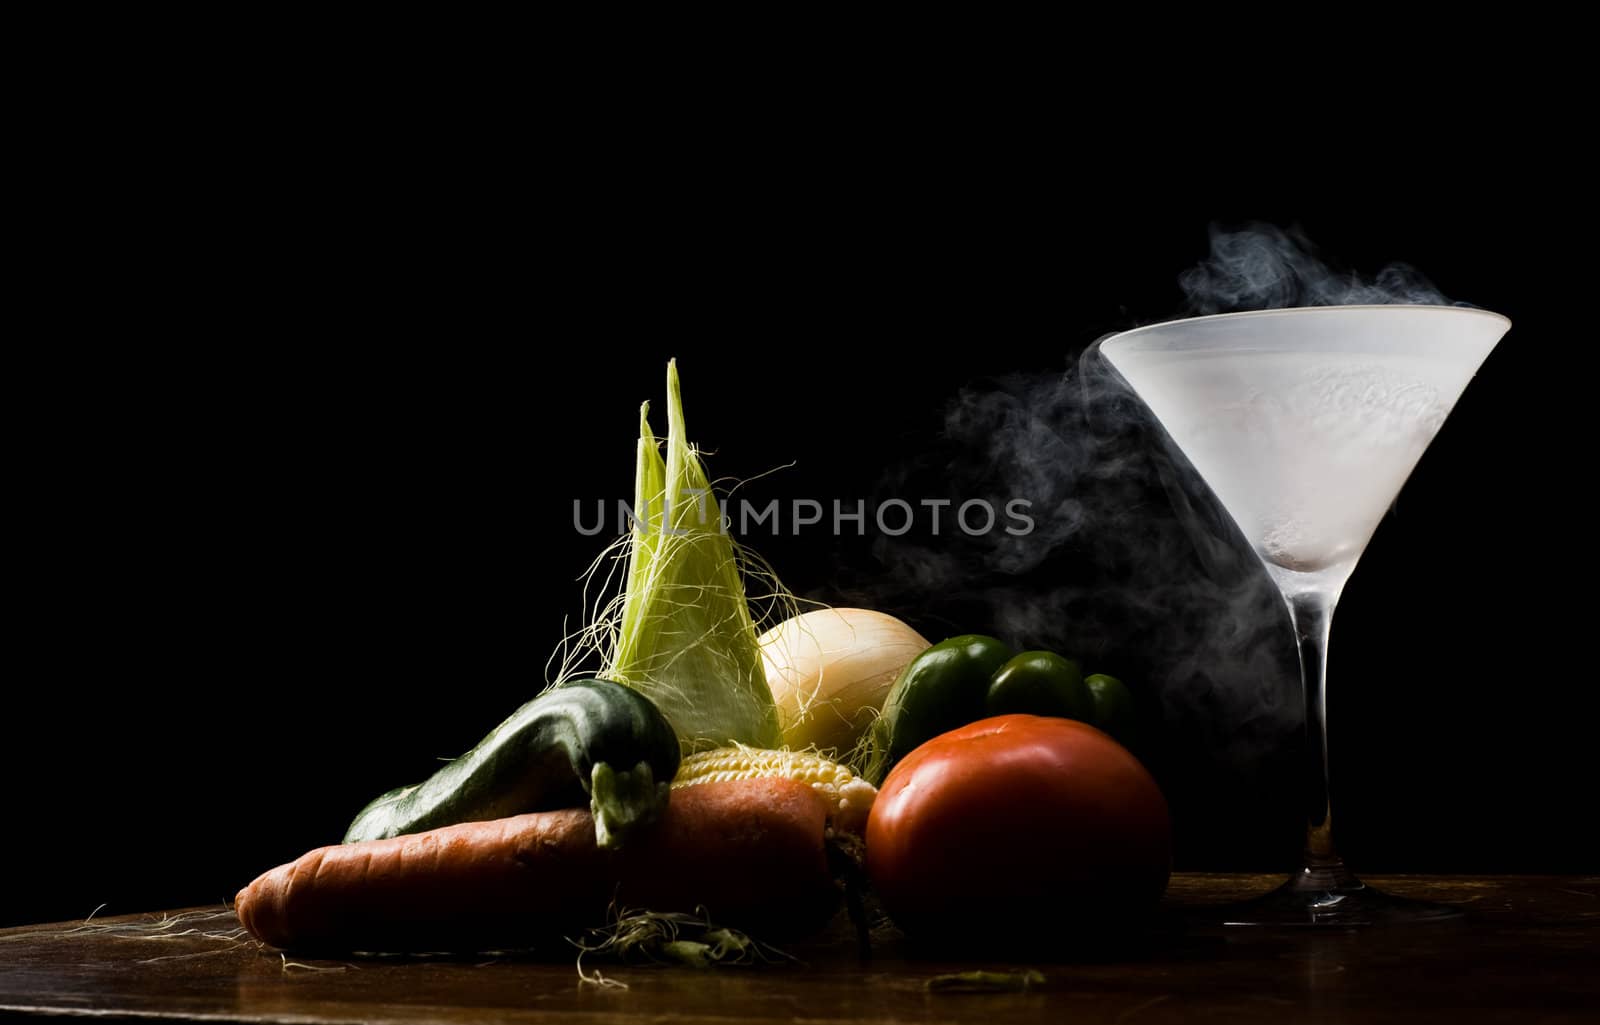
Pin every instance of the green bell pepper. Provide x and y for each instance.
(1040, 683)
(1113, 707)
(940, 690)
(971, 677)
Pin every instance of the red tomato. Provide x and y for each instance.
(1015, 825)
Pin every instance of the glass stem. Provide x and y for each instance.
(1312, 613)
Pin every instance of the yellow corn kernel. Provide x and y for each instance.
(849, 797)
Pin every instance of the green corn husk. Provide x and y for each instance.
(686, 639)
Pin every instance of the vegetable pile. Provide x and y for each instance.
(710, 776)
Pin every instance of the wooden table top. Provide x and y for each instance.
(1526, 952)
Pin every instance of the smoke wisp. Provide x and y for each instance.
(1264, 267)
(1176, 605)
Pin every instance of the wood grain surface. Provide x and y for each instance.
(1525, 952)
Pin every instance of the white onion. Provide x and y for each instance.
(830, 670)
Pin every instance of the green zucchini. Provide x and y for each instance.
(587, 739)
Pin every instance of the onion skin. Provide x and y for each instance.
(830, 670)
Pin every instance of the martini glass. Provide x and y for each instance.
(1305, 422)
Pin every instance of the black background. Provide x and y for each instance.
(302, 455)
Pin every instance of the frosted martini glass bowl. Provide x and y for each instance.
(1305, 423)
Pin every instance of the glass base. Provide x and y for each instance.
(1332, 898)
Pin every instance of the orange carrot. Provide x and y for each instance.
(750, 851)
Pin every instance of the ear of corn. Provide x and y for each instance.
(849, 797)
(685, 638)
